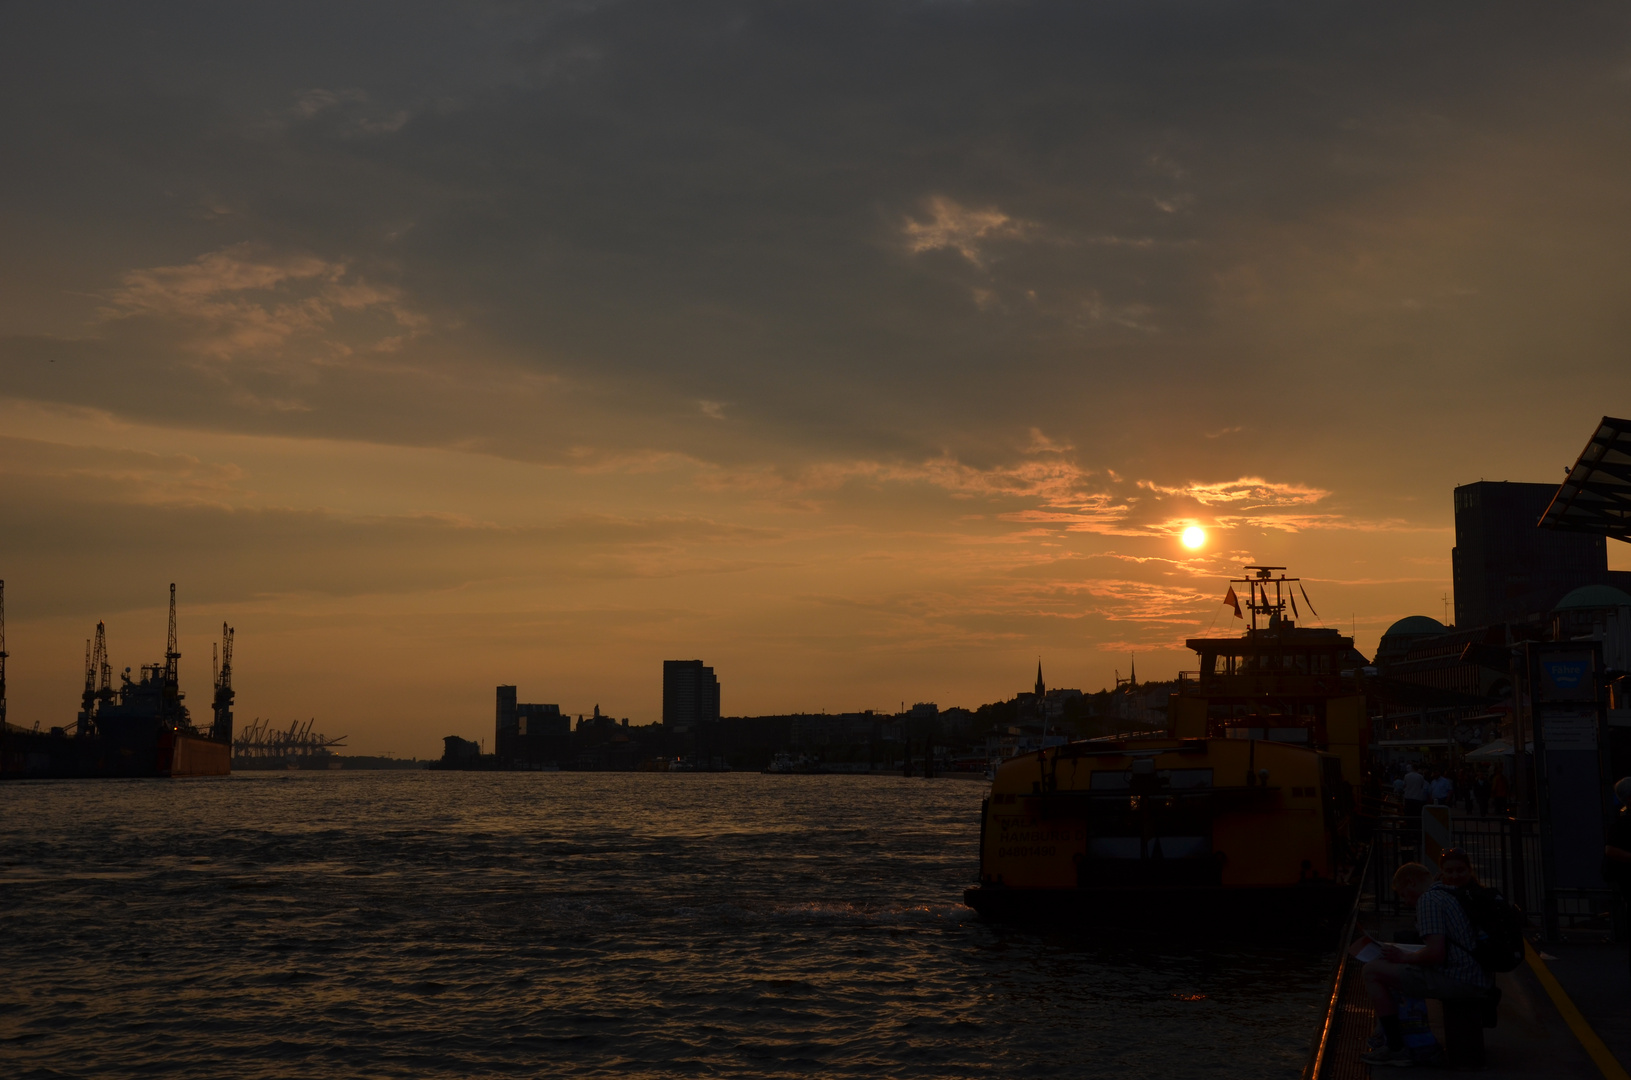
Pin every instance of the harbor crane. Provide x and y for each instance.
(98, 679)
(221, 731)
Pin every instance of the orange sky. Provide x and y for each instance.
(542, 346)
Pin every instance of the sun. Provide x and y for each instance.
(1194, 537)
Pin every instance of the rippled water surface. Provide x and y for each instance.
(468, 924)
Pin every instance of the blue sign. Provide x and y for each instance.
(1566, 674)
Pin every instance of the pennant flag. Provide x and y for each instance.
(1306, 600)
(1231, 600)
(1293, 598)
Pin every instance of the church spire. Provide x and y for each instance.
(1041, 688)
(1132, 676)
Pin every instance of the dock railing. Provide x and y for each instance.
(1505, 853)
(1324, 1039)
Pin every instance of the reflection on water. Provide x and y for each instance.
(464, 924)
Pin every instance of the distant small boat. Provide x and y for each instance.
(785, 764)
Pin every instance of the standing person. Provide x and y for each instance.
(1443, 967)
(1414, 792)
(1617, 852)
(1443, 788)
(1481, 790)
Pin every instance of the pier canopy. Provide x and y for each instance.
(1596, 497)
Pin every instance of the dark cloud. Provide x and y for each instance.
(667, 205)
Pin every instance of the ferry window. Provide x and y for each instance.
(1121, 780)
(1187, 778)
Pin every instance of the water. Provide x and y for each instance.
(465, 924)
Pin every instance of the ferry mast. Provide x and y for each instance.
(1258, 594)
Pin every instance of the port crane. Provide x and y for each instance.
(221, 730)
(261, 740)
(98, 680)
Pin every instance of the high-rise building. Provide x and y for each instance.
(507, 724)
(690, 695)
(1506, 567)
(527, 734)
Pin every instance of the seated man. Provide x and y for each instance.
(1443, 967)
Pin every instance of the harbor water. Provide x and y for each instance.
(410, 924)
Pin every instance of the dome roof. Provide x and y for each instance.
(1415, 626)
(1593, 596)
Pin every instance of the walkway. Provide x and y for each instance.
(1565, 1013)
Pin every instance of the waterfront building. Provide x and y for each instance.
(528, 735)
(457, 751)
(690, 695)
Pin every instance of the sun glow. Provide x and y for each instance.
(1194, 537)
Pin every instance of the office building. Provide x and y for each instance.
(1507, 568)
(690, 695)
(528, 735)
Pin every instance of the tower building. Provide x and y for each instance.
(690, 695)
(1506, 568)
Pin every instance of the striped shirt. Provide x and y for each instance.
(1439, 912)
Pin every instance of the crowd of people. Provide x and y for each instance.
(1476, 789)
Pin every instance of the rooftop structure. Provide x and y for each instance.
(1596, 497)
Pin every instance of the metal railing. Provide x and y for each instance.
(1505, 853)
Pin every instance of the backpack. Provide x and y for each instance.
(1499, 925)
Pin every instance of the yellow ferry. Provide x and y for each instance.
(1243, 808)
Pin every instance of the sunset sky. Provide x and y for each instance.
(866, 351)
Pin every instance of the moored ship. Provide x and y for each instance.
(1242, 810)
(141, 728)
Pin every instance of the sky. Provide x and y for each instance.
(870, 352)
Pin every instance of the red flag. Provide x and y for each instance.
(1231, 600)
